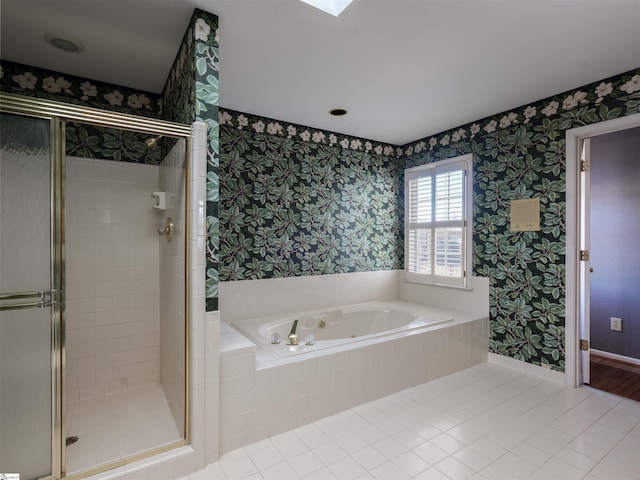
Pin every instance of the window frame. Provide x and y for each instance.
(464, 162)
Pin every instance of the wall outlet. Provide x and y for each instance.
(616, 324)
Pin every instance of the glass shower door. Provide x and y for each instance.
(28, 306)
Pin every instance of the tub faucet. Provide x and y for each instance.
(293, 334)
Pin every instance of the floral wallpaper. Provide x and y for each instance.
(299, 201)
(40, 83)
(206, 110)
(521, 154)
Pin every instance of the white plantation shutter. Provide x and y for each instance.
(437, 202)
(449, 195)
(420, 195)
(420, 260)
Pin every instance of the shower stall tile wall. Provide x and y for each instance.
(113, 330)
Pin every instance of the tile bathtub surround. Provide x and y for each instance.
(112, 333)
(474, 301)
(256, 404)
(486, 422)
(246, 299)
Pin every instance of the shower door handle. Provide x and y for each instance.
(20, 295)
(47, 298)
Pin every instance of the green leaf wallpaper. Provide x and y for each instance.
(521, 154)
(190, 94)
(299, 201)
(90, 141)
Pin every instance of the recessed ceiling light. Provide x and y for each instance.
(338, 112)
(333, 7)
(62, 42)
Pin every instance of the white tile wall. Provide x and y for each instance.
(474, 300)
(204, 326)
(245, 299)
(240, 300)
(112, 289)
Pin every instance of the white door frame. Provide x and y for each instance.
(584, 243)
(574, 138)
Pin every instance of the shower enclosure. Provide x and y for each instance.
(93, 310)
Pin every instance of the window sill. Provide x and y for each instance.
(468, 288)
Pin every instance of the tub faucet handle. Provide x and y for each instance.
(293, 334)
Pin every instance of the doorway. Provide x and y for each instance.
(595, 253)
(614, 303)
(93, 311)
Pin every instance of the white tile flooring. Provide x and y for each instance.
(118, 425)
(485, 423)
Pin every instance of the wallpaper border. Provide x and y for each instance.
(295, 131)
(571, 106)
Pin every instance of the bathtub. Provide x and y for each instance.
(405, 344)
(335, 327)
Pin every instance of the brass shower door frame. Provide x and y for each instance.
(58, 114)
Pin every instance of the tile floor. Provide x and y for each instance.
(485, 423)
(118, 425)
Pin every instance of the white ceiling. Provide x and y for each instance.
(404, 69)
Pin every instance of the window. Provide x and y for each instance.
(437, 222)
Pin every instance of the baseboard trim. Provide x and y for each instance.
(536, 370)
(615, 356)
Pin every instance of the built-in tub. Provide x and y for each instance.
(336, 327)
(269, 389)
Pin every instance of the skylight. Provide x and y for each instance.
(333, 7)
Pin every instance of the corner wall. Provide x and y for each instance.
(521, 154)
(191, 94)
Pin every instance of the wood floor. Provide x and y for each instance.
(614, 376)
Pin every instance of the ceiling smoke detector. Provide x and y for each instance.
(62, 42)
